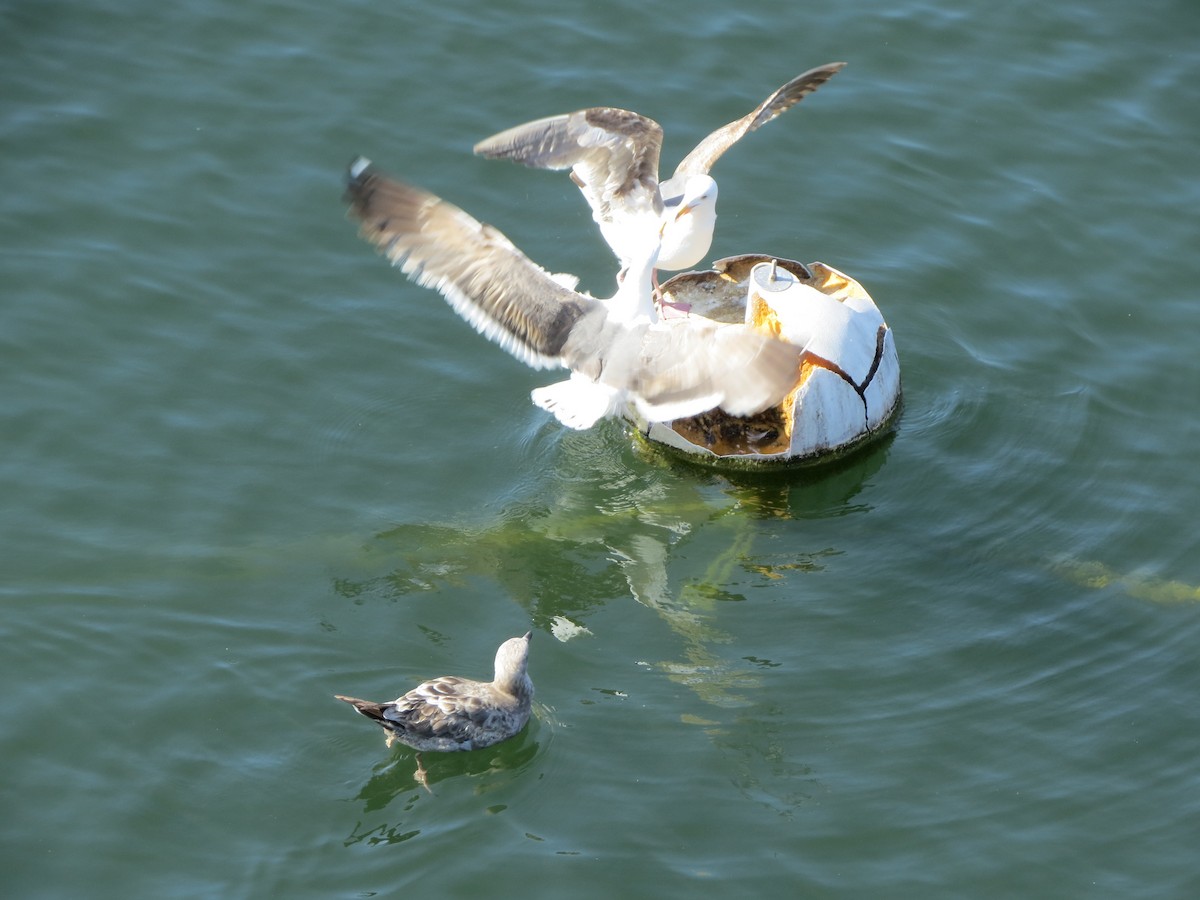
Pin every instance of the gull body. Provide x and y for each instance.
(620, 358)
(453, 713)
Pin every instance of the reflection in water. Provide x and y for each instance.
(380, 834)
(611, 532)
(398, 776)
(766, 771)
(1096, 575)
(599, 529)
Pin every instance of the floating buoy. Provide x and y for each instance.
(849, 388)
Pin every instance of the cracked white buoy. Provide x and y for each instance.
(848, 391)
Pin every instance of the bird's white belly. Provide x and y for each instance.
(686, 240)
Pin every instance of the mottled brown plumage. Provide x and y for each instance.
(454, 713)
(705, 154)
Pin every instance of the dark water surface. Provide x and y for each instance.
(246, 466)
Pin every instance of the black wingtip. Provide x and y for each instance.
(359, 173)
(818, 75)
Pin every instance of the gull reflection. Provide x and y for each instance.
(602, 527)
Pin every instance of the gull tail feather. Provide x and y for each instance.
(368, 708)
(578, 403)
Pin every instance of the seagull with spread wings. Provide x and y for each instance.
(613, 155)
(618, 355)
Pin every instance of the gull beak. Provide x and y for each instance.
(683, 211)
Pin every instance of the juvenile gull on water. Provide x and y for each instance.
(613, 157)
(453, 713)
(618, 356)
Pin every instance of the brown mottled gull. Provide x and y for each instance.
(618, 356)
(613, 157)
(453, 713)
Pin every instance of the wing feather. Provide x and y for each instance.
(709, 150)
(699, 361)
(485, 278)
(613, 155)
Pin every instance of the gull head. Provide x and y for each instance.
(689, 224)
(512, 660)
(699, 192)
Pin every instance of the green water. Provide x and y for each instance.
(247, 466)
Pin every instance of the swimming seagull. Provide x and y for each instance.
(617, 356)
(453, 713)
(613, 157)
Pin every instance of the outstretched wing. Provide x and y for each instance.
(709, 150)
(485, 278)
(688, 366)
